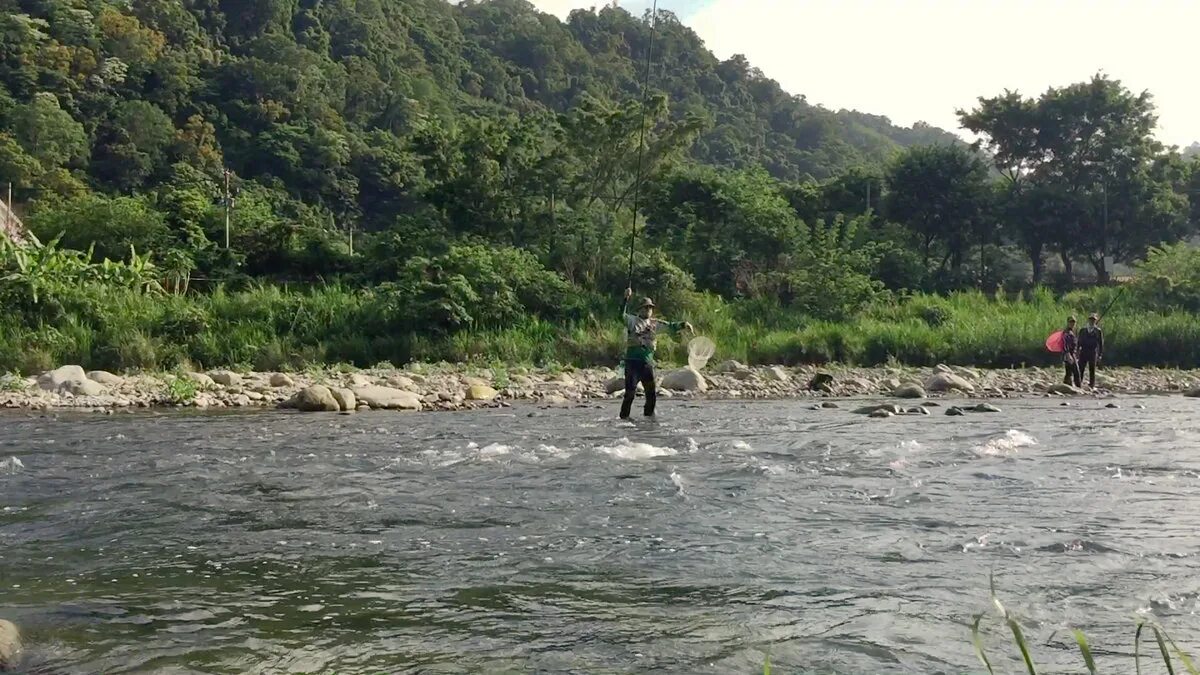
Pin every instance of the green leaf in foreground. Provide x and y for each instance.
(1084, 649)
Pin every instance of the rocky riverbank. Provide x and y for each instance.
(424, 387)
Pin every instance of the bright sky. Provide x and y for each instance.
(915, 60)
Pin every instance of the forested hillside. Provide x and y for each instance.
(456, 167)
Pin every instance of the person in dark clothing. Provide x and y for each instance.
(640, 340)
(1071, 354)
(1091, 348)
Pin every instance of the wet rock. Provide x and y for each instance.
(317, 398)
(106, 378)
(943, 382)
(481, 392)
(917, 411)
(685, 379)
(882, 413)
(1064, 389)
(1114, 406)
(387, 398)
(1139, 406)
(54, 380)
(890, 384)
(1193, 393)
(10, 645)
(909, 391)
(730, 367)
(829, 405)
(282, 380)
(226, 378)
(240, 400)
(821, 382)
(1065, 404)
(943, 368)
(932, 404)
(476, 382)
(955, 411)
(985, 408)
(345, 398)
(867, 410)
(614, 385)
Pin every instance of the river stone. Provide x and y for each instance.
(402, 382)
(360, 380)
(345, 398)
(1114, 406)
(882, 413)
(821, 382)
(943, 382)
(387, 398)
(743, 375)
(917, 411)
(943, 368)
(10, 645)
(471, 381)
(106, 378)
(614, 385)
(1065, 389)
(54, 380)
(867, 410)
(778, 374)
(985, 408)
(890, 384)
(226, 378)
(84, 388)
(685, 379)
(909, 391)
(481, 392)
(316, 398)
(955, 411)
(731, 366)
(282, 380)
(860, 384)
(829, 405)
(201, 379)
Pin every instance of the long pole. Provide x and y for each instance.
(637, 186)
(228, 205)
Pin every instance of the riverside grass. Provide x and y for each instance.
(269, 328)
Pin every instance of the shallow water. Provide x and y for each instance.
(569, 542)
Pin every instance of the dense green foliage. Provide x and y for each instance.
(416, 178)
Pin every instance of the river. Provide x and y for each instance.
(525, 540)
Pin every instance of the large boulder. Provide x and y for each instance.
(54, 380)
(481, 392)
(614, 385)
(821, 382)
(1193, 393)
(345, 398)
(317, 398)
(943, 382)
(910, 390)
(201, 379)
(402, 382)
(867, 410)
(387, 398)
(226, 378)
(106, 378)
(731, 366)
(10, 645)
(685, 379)
(360, 380)
(776, 374)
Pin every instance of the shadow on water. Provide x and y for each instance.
(571, 542)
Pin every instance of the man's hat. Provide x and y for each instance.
(1070, 319)
(646, 302)
(1094, 317)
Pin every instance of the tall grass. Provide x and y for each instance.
(269, 328)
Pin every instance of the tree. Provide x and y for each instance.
(49, 133)
(111, 226)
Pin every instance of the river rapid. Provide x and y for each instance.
(522, 540)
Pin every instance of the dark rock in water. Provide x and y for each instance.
(909, 391)
(882, 413)
(955, 411)
(829, 405)
(821, 382)
(932, 404)
(1065, 404)
(815, 407)
(1139, 406)
(1112, 405)
(985, 408)
(867, 410)
(917, 411)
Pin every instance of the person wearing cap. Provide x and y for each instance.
(1091, 348)
(1071, 354)
(641, 332)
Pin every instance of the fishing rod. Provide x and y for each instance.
(1111, 303)
(637, 185)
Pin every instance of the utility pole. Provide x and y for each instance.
(868, 195)
(8, 214)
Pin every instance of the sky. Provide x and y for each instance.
(920, 60)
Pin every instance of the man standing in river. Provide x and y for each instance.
(640, 340)
(1091, 348)
(1070, 342)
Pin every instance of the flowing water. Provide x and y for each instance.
(565, 541)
